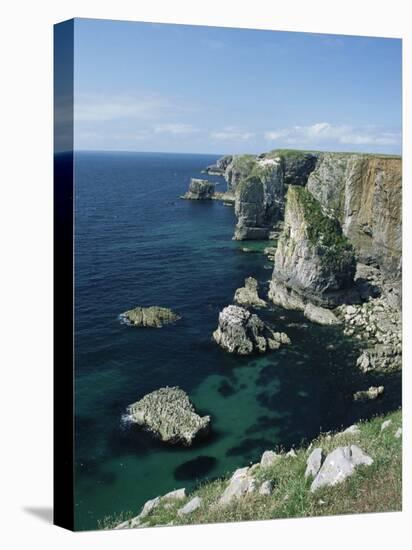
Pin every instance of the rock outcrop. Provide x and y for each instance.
(339, 465)
(153, 316)
(259, 200)
(370, 394)
(377, 322)
(364, 192)
(314, 261)
(200, 190)
(219, 168)
(243, 333)
(170, 416)
(320, 315)
(248, 294)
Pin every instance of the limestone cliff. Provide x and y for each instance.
(365, 193)
(314, 261)
(259, 200)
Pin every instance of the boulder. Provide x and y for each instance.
(178, 494)
(243, 333)
(153, 316)
(266, 488)
(352, 430)
(398, 433)
(190, 507)
(367, 395)
(339, 465)
(313, 258)
(314, 462)
(239, 485)
(268, 459)
(248, 295)
(320, 315)
(200, 190)
(385, 425)
(170, 416)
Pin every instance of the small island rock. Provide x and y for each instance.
(200, 190)
(248, 294)
(153, 316)
(170, 416)
(242, 332)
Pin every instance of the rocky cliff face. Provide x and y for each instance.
(200, 190)
(365, 193)
(314, 261)
(260, 184)
(259, 200)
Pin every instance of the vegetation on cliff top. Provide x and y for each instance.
(376, 488)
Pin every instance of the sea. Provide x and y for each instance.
(138, 244)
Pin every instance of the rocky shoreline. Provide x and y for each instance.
(335, 224)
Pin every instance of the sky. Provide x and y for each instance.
(192, 89)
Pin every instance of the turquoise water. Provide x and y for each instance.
(138, 244)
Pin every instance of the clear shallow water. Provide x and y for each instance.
(138, 244)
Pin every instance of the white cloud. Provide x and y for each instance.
(101, 108)
(231, 133)
(324, 132)
(175, 129)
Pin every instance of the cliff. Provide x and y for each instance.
(364, 192)
(313, 261)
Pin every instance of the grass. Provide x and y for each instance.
(296, 152)
(375, 488)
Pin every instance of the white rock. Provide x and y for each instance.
(268, 459)
(398, 433)
(339, 465)
(385, 424)
(313, 462)
(190, 507)
(354, 430)
(178, 494)
(266, 488)
(292, 453)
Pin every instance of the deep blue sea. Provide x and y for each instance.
(137, 243)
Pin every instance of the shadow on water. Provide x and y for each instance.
(196, 468)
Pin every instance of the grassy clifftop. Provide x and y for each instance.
(375, 488)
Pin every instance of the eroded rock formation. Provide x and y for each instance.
(200, 190)
(153, 316)
(314, 261)
(169, 414)
(242, 332)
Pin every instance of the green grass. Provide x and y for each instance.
(375, 488)
(295, 152)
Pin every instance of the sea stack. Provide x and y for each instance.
(314, 261)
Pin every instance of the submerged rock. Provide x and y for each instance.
(170, 416)
(153, 316)
(367, 395)
(248, 295)
(339, 465)
(314, 261)
(242, 332)
(200, 190)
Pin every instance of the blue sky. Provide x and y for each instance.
(178, 88)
